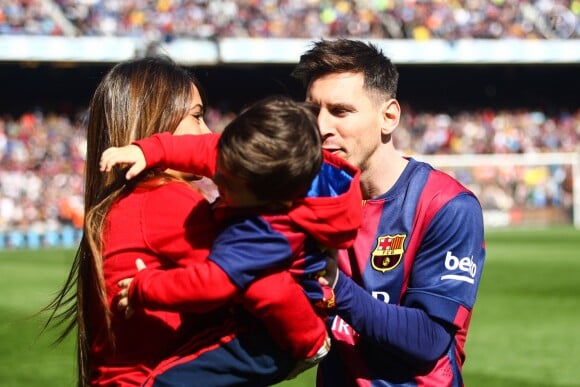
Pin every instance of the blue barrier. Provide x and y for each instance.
(67, 237)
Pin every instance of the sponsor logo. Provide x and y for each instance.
(465, 265)
(388, 253)
(344, 332)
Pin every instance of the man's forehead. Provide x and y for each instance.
(345, 90)
(335, 84)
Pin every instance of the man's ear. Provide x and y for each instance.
(390, 114)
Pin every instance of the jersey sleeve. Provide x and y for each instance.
(280, 303)
(199, 287)
(188, 153)
(408, 332)
(249, 247)
(447, 268)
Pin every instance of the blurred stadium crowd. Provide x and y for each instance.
(42, 154)
(163, 20)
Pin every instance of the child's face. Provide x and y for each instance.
(233, 190)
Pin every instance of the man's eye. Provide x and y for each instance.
(339, 112)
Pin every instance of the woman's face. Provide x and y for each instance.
(192, 123)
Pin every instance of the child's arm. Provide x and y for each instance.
(188, 153)
(275, 299)
(280, 303)
(198, 287)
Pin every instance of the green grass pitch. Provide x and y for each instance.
(525, 331)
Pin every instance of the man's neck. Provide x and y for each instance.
(382, 174)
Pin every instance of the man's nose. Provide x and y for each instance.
(325, 123)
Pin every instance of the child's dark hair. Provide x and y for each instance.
(275, 147)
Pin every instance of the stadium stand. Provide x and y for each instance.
(170, 19)
(42, 132)
(42, 161)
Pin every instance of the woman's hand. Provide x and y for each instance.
(123, 305)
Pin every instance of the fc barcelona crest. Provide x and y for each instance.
(388, 253)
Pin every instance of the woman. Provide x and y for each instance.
(159, 218)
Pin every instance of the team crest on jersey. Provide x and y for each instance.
(388, 253)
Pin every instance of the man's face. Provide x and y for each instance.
(349, 121)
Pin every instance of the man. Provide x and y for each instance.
(406, 289)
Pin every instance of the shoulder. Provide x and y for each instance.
(255, 232)
(176, 220)
(435, 190)
(438, 184)
(173, 203)
(173, 190)
(454, 209)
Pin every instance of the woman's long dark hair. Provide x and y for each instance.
(135, 99)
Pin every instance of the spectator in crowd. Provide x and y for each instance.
(416, 20)
(406, 289)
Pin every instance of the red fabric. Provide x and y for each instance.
(189, 153)
(198, 287)
(332, 221)
(142, 225)
(293, 325)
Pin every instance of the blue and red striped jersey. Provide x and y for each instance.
(421, 245)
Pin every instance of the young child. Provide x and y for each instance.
(281, 196)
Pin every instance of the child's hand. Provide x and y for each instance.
(329, 276)
(127, 155)
(327, 280)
